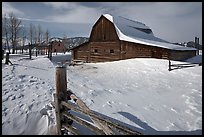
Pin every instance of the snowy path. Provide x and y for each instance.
(27, 89)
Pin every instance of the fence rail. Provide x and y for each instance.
(66, 102)
(182, 65)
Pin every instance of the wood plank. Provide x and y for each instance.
(87, 111)
(83, 106)
(71, 129)
(57, 113)
(84, 123)
(93, 115)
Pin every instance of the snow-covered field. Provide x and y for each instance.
(140, 93)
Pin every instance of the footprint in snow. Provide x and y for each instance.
(43, 111)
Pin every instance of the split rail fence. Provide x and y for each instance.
(66, 102)
(183, 65)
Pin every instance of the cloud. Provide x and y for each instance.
(73, 13)
(7, 9)
(172, 21)
(60, 5)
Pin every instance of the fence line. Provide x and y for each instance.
(182, 65)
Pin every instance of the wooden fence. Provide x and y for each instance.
(183, 65)
(66, 102)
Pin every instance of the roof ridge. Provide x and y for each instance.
(133, 21)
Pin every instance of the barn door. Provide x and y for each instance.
(75, 54)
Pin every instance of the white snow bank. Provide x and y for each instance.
(27, 88)
(142, 93)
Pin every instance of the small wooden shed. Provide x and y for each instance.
(118, 38)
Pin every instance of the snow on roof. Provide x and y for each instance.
(55, 39)
(137, 32)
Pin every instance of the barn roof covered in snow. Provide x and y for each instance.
(137, 32)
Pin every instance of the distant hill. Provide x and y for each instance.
(75, 41)
(68, 42)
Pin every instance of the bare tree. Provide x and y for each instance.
(31, 37)
(39, 36)
(46, 39)
(47, 35)
(35, 34)
(24, 34)
(31, 33)
(5, 31)
(14, 28)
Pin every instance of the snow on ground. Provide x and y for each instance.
(27, 88)
(139, 92)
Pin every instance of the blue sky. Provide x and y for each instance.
(171, 21)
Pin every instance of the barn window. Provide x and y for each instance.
(104, 37)
(111, 51)
(96, 50)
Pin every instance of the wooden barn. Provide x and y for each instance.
(58, 46)
(118, 38)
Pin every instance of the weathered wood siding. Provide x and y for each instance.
(135, 50)
(103, 30)
(182, 55)
(81, 52)
(104, 51)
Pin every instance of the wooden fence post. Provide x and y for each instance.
(30, 53)
(7, 58)
(61, 93)
(61, 83)
(7, 61)
(169, 65)
(57, 113)
(2, 54)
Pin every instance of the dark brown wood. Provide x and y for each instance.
(71, 129)
(61, 93)
(101, 125)
(107, 121)
(7, 61)
(57, 113)
(61, 83)
(2, 54)
(7, 58)
(169, 65)
(84, 123)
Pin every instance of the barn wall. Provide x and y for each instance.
(182, 55)
(102, 31)
(135, 50)
(104, 51)
(81, 53)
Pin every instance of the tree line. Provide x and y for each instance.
(14, 33)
